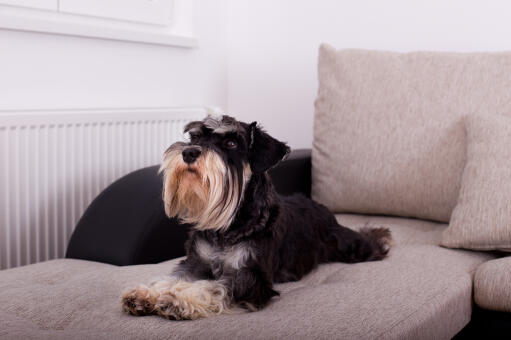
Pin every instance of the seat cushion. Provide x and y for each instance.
(388, 135)
(420, 291)
(492, 285)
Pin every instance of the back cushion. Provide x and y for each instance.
(388, 134)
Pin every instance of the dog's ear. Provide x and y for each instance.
(264, 151)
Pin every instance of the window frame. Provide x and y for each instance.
(178, 33)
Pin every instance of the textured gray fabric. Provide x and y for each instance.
(388, 135)
(404, 230)
(422, 291)
(492, 285)
(481, 219)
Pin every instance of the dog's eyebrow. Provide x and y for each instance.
(225, 129)
(193, 127)
(221, 125)
(211, 122)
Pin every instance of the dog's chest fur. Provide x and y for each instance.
(233, 257)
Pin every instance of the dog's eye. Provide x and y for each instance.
(230, 144)
(194, 139)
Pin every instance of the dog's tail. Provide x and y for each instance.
(368, 244)
(380, 241)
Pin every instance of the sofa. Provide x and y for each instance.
(392, 147)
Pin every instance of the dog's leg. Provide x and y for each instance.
(193, 300)
(185, 295)
(370, 244)
(139, 300)
(248, 288)
(142, 299)
(251, 288)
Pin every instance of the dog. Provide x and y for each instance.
(245, 237)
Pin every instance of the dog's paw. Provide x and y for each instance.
(139, 301)
(168, 307)
(193, 300)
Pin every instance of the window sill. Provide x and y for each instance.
(22, 19)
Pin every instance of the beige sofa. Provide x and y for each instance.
(388, 140)
(421, 291)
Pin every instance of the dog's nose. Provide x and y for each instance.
(190, 155)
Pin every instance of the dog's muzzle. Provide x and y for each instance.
(191, 154)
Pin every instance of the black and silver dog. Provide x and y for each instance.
(245, 236)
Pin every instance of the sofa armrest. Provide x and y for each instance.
(126, 224)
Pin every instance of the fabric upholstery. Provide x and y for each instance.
(388, 134)
(492, 285)
(482, 218)
(422, 291)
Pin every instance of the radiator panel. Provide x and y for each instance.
(53, 164)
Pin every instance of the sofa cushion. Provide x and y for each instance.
(482, 218)
(405, 231)
(420, 291)
(388, 136)
(492, 282)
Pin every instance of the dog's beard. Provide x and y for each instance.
(206, 193)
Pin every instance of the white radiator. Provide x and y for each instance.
(53, 164)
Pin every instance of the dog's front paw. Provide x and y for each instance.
(168, 307)
(139, 301)
(193, 300)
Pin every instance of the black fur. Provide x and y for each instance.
(289, 235)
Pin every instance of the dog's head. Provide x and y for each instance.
(205, 178)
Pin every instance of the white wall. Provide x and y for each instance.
(272, 47)
(256, 59)
(43, 71)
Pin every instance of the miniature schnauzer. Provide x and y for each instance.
(245, 236)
